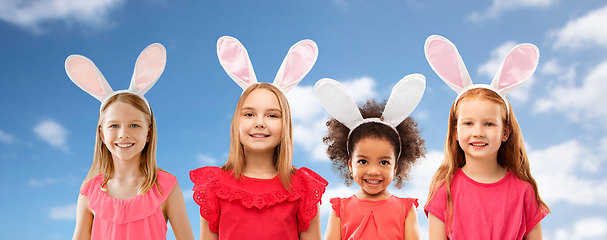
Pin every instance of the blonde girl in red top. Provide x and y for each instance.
(258, 193)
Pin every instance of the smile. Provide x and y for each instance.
(373, 181)
(259, 135)
(479, 144)
(125, 145)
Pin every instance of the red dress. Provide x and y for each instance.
(366, 219)
(253, 208)
(506, 209)
(139, 217)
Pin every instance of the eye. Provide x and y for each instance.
(489, 124)
(134, 125)
(113, 126)
(272, 115)
(467, 123)
(362, 161)
(384, 163)
(248, 114)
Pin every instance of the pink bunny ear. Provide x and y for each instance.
(83, 72)
(447, 63)
(299, 61)
(518, 65)
(148, 68)
(234, 59)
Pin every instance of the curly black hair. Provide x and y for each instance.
(338, 144)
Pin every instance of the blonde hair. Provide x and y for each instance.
(283, 153)
(511, 154)
(102, 158)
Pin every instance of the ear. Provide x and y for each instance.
(443, 57)
(299, 61)
(336, 100)
(148, 68)
(518, 66)
(507, 131)
(234, 59)
(101, 134)
(83, 72)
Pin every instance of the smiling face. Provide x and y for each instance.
(260, 124)
(373, 166)
(480, 129)
(124, 131)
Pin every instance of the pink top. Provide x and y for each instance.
(506, 209)
(253, 208)
(139, 217)
(366, 219)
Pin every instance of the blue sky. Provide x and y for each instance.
(47, 124)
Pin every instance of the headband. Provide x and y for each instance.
(148, 68)
(405, 96)
(518, 65)
(234, 59)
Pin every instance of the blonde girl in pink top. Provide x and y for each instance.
(125, 195)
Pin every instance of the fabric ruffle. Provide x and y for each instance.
(307, 188)
(123, 211)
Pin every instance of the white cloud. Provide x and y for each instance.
(341, 191)
(579, 103)
(309, 116)
(499, 6)
(34, 182)
(555, 70)
(66, 212)
(564, 173)
(31, 14)
(53, 133)
(421, 175)
(6, 138)
(587, 228)
(586, 31)
(206, 160)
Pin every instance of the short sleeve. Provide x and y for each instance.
(407, 203)
(533, 213)
(205, 181)
(336, 205)
(311, 187)
(438, 204)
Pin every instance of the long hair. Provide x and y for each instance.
(283, 153)
(102, 158)
(511, 155)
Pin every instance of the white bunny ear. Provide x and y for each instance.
(447, 63)
(334, 97)
(404, 98)
(148, 68)
(299, 61)
(234, 59)
(518, 65)
(83, 72)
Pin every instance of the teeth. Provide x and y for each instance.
(125, 145)
(479, 144)
(373, 182)
(258, 135)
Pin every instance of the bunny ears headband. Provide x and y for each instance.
(518, 65)
(148, 68)
(405, 96)
(234, 59)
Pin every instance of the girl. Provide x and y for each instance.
(257, 193)
(484, 188)
(125, 195)
(372, 149)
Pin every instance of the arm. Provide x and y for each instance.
(412, 231)
(313, 231)
(205, 231)
(333, 231)
(535, 233)
(84, 219)
(436, 227)
(175, 212)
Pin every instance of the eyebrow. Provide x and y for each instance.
(112, 121)
(384, 157)
(252, 108)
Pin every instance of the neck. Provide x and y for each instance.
(259, 164)
(126, 169)
(484, 170)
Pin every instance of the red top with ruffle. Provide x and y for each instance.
(253, 208)
(367, 219)
(139, 217)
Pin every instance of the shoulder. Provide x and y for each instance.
(166, 181)
(91, 185)
(204, 175)
(407, 203)
(306, 174)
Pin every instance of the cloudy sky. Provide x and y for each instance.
(47, 124)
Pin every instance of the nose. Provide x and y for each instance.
(478, 131)
(123, 132)
(373, 170)
(260, 122)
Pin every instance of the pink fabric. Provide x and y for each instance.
(506, 209)
(299, 62)
(139, 217)
(253, 208)
(234, 58)
(149, 66)
(364, 219)
(81, 71)
(444, 60)
(518, 65)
